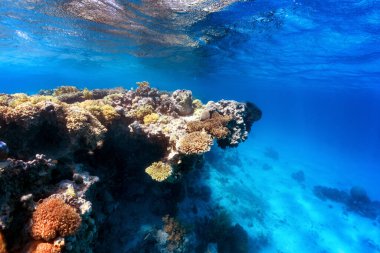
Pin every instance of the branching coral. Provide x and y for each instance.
(151, 118)
(142, 111)
(3, 246)
(65, 90)
(159, 171)
(215, 125)
(176, 232)
(82, 123)
(53, 218)
(197, 142)
(103, 112)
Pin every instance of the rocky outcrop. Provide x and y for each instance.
(133, 140)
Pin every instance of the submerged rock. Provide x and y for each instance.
(356, 200)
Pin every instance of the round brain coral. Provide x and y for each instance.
(197, 142)
(53, 218)
(159, 171)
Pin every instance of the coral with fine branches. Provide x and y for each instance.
(197, 142)
(53, 218)
(215, 125)
(159, 171)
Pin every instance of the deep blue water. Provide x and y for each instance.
(313, 67)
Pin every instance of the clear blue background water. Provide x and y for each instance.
(312, 66)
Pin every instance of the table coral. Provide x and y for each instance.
(159, 171)
(53, 218)
(195, 143)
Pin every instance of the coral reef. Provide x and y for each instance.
(175, 231)
(56, 139)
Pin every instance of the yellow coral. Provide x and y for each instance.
(87, 94)
(159, 171)
(195, 143)
(18, 99)
(151, 118)
(103, 112)
(38, 99)
(4, 100)
(82, 123)
(143, 84)
(70, 191)
(197, 103)
(65, 90)
(141, 111)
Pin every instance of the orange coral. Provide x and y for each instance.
(195, 143)
(216, 125)
(53, 218)
(3, 246)
(176, 232)
(43, 247)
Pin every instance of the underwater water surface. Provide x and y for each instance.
(313, 68)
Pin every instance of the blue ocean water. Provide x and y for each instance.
(313, 67)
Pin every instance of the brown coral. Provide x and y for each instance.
(3, 246)
(197, 142)
(159, 171)
(215, 125)
(53, 218)
(176, 232)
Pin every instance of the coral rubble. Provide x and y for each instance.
(48, 202)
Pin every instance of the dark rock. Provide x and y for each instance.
(272, 154)
(299, 176)
(333, 194)
(359, 195)
(3, 151)
(235, 242)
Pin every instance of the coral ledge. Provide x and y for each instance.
(74, 156)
